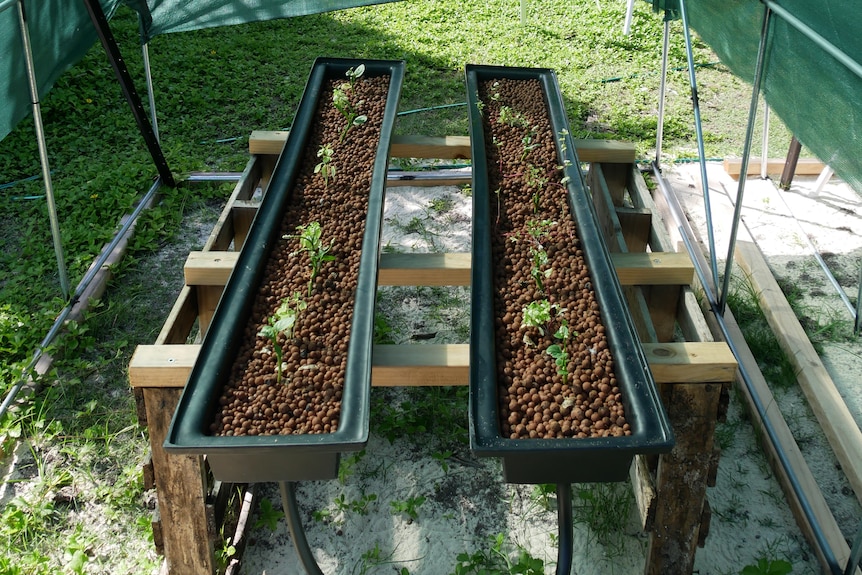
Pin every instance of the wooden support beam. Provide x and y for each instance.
(681, 479)
(182, 492)
(452, 147)
(804, 167)
(826, 402)
(689, 362)
(442, 269)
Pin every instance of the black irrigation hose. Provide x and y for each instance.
(294, 526)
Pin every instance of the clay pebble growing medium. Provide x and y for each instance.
(538, 398)
(308, 399)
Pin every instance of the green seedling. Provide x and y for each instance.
(269, 515)
(512, 118)
(537, 314)
(768, 567)
(409, 507)
(310, 241)
(353, 74)
(283, 321)
(325, 167)
(341, 101)
(561, 359)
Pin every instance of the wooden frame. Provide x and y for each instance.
(692, 373)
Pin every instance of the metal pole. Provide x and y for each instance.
(100, 22)
(6, 4)
(764, 144)
(699, 131)
(43, 150)
(746, 152)
(145, 49)
(661, 92)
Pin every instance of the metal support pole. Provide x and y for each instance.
(764, 144)
(746, 152)
(125, 79)
(662, 91)
(698, 126)
(43, 150)
(145, 50)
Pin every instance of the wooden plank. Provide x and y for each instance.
(420, 365)
(452, 147)
(804, 167)
(435, 269)
(242, 215)
(653, 268)
(635, 224)
(222, 233)
(616, 177)
(451, 269)
(208, 298)
(162, 365)
(690, 362)
(681, 480)
(181, 489)
(826, 402)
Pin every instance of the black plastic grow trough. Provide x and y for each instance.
(301, 456)
(558, 460)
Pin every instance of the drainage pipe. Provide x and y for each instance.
(294, 526)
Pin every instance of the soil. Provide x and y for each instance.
(555, 379)
(306, 396)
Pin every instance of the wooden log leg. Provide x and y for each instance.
(681, 479)
(181, 488)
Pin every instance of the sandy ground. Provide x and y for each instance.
(354, 525)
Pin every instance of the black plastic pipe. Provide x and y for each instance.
(294, 526)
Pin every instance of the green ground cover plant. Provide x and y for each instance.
(212, 88)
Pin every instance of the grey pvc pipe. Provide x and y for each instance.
(6, 4)
(43, 150)
(294, 526)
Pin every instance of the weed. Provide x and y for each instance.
(500, 559)
(604, 508)
(768, 567)
(359, 506)
(348, 465)
(542, 494)
(408, 507)
(269, 515)
(223, 552)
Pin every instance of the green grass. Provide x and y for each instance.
(213, 87)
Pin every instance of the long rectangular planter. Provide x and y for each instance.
(559, 458)
(297, 456)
